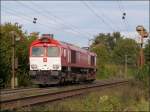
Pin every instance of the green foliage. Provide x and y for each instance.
(5, 51)
(102, 54)
(23, 61)
(127, 47)
(110, 71)
(143, 75)
(109, 40)
(22, 48)
(102, 72)
(111, 50)
(128, 98)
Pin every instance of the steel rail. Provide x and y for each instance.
(26, 89)
(49, 97)
(9, 91)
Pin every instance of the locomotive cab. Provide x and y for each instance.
(45, 60)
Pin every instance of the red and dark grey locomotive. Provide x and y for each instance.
(52, 61)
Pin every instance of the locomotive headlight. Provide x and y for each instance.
(56, 66)
(34, 66)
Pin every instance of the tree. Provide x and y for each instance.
(111, 50)
(127, 47)
(23, 60)
(102, 54)
(109, 40)
(22, 51)
(5, 50)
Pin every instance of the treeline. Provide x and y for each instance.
(111, 50)
(116, 54)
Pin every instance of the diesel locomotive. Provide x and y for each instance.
(55, 62)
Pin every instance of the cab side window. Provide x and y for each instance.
(64, 52)
(73, 56)
(92, 60)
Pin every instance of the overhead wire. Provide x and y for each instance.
(15, 13)
(126, 22)
(28, 19)
(123, 11)
(43, 14)
(107, 18)
(62, 20)
(37, 11)
(100, 18)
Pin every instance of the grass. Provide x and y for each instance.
(132, 97)
(110, 71)
(123, 98)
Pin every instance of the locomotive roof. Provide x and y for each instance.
(61, 43)
(77, 48)
(43, 40)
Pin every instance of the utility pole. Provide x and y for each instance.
(126, 66)
(13, 60)
(15, 37)
(89, 43)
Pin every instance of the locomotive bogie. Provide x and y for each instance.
(45, 77)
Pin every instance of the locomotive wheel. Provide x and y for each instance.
(91, 81)
(74, 80)
(42, 85)
(62, 81)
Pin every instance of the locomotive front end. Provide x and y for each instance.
(45, 61)
(45, 58)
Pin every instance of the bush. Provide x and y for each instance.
(24, 79)
(142, 75)
(102, 72)
(110, 71)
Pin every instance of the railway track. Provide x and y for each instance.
(46, 95)
(10, 91)
(22, 90)
(19, 90)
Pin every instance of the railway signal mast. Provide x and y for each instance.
(15, 37)
(143, 34)
(13, 78)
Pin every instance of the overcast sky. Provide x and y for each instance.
(77, 21)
